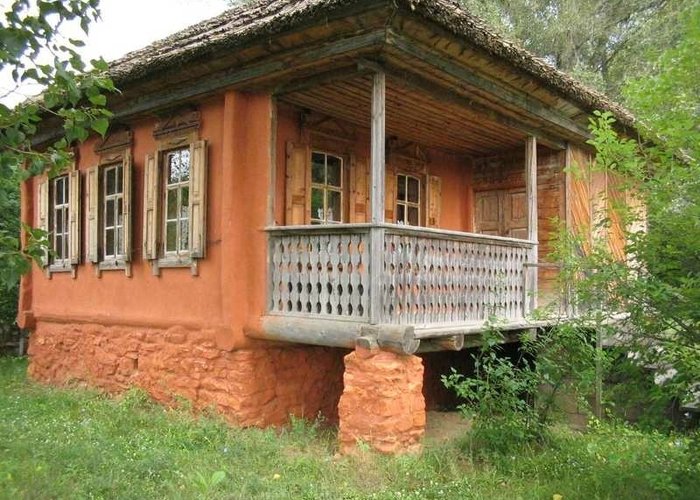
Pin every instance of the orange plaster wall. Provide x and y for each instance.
(228, 294)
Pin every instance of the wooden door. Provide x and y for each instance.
(501, 212)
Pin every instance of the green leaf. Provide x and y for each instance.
(100, 126)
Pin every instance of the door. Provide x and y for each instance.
(502, 212)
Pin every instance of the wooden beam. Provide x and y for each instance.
(324, 78)
(531, 191)
(377, 195)
(510, 96)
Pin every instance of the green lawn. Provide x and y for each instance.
(75, 443)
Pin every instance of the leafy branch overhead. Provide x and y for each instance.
(73, 99)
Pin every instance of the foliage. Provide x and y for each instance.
(658, 286)
(513, 401)
(600, 42)
(75, 443)
(73, 99)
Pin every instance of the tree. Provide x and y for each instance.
(600, 42)
(659, 285)
(34, 51)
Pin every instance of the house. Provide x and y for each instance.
(306, 207)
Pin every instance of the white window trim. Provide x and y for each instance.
(327, 187)
(405, 203)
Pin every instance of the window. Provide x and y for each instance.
(175, 184)
(60, 233)
(113, 212)
(177, 190)
(59, 215)
(326, 188)
(109, 208)
(408, 200)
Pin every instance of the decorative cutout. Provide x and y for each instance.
(114, 142)
(407, 156)
(429, 281)
(177, 124)
(320, 275)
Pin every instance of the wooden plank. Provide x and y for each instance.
(504, 94)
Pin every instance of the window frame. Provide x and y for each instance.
(104, 197)
(178, 256)
(64, 263)
(409, 204)
(325, 187)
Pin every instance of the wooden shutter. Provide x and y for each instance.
(93, 208)
(434, 201)
(515, 214)
(390, 195)
(297, 201)
(127, 209)
(198, 206)
(43, 216)
(74, 217)
(359, 189)
(150, 207)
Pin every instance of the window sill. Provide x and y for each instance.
(113, 265)
(176, 262)
(64, 267)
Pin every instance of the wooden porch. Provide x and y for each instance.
(406, 288)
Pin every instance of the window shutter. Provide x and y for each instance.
(127, 204)
(74, 216)
(150, 208)
(434, 201)
(390, 192)
(43, 213)
(198, 206)
(297, 199)
(93, 207)
(359, 189)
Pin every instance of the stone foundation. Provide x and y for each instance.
(382, 404)
(249, 387)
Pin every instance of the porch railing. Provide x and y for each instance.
(427, 277)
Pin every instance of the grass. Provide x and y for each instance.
(77, 443)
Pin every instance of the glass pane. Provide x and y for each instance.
(335, 171)
(317, 204)
(318, 168)
(120, 212)
(58, 192)
(58, 227)
(64, 181)
(120, 179)
(109, 242)
(400, 214)
(401, 188)
(171, 203)
(120, 242)
(109, 213)
(413, 216)
(413, 190)
(184, 234)
(171, 236)
(110, 181)
(184, 165)
(184, 201)
(333, 212)
(173, 167)
(58, 249)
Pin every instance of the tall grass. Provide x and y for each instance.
(78, 443)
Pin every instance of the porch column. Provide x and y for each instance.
(377, 194)
(531, 190)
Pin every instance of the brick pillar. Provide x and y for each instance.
(382, 403)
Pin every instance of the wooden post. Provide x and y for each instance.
(377, 193)
(531, 189)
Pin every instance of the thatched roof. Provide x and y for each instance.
(265, 18)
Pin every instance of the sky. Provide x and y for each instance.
(128, 25)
